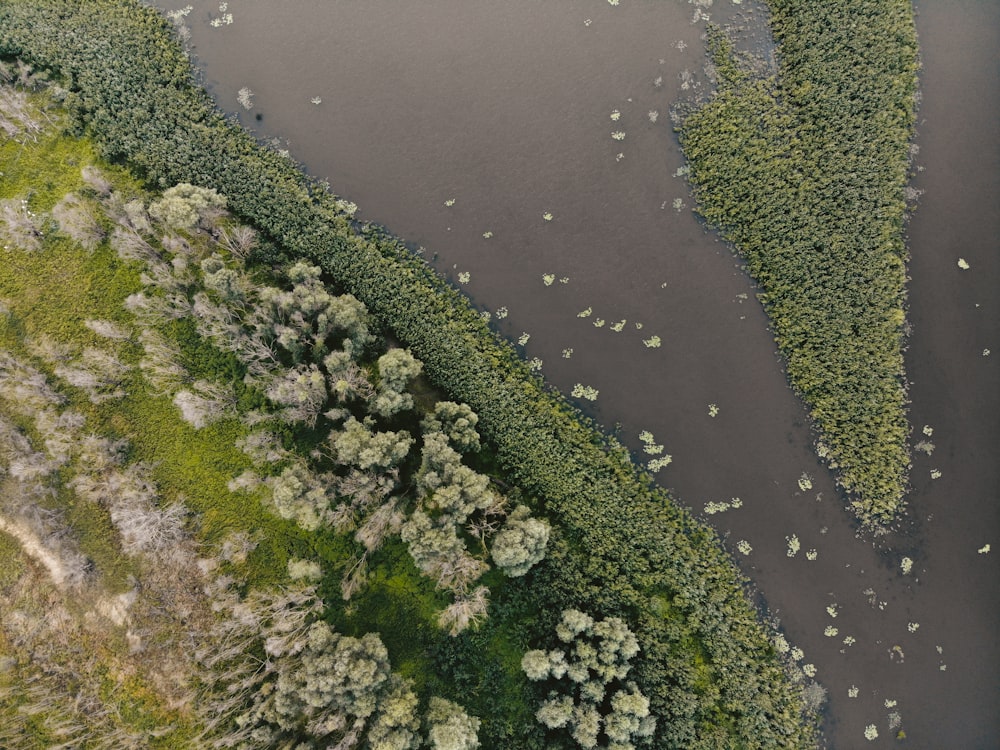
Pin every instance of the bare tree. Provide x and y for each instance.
(19, 226)
(77, 221)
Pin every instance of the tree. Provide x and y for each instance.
(589, 695)
(450, 727)
(302, 391)
(457, 422)
(301, 495)
(452, 488)
(396, 369)
(521, 542)
(185, 205)
(358, 446)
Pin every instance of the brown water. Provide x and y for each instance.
(506, 108)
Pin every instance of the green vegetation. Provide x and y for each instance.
(804, 172)
(243, 332)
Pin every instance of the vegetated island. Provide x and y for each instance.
(231, 517)
(805, 172)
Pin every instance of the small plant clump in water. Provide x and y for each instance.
(805, 482)
(963, 264)
(584, 391)
(464, 277)
(906, 565)
(659, 463)
(871, 732)
(984, 549)
(653, 342)
(523, 338)
(713, 410)
(744, 547)
(618, 135)
(548, 278)
(793, 545)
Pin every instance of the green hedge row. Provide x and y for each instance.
(622, 549)
(804, 172)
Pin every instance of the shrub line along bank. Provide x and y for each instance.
(623, 548)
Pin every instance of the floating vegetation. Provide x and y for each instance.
(658, 81)
(535, 364)
(613, 2)
(598, 322)
(615, 115)
(653, 342)
(567, 353)
(450, 202)
(963, 264)
(984, 550)
(682, 171)
(809, 670)
(906, 565)
(713, 410)
(830, 632)
(548, 278)
(245, 97)
(811, 555)
(928, 430)
(871, 732)
(585, 313)
(849, 640)
(649, 443)
(678, 204)
(653, 115)
(852, 691)
(986, 352)
(486, 316)
(659, 463)
(584, 391)
(464, 277)
(564, 280)
(316, 100)
(547, 216)
(912, 626)
(793, 545)
(502, 312)
(487, 235)
(805, 482)
(832, 610)
(924, 446)
(619, 156)
(638, 326)
(224, 20)
(618, 135)
(523, 338)
(935, 473)
(744, 547)
(712, 508)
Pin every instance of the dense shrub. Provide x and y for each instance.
(805, 173)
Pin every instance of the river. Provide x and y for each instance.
(463, 125)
